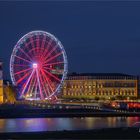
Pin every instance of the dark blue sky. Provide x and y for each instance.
(97, 36)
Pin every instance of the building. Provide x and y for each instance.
(9, 92)
(1, 83)
(100, 85)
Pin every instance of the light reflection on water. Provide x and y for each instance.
(52, 124)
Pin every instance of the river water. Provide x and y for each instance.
(53, 124)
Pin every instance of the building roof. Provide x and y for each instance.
(101, 76)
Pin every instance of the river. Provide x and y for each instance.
(58, 124)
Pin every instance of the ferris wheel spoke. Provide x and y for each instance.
(22, 59)
(43, 44)
(46, 79)
(21, 65)
(55, 63)
(32, 52)
(21, 79)
(33, 84)
(49, 53)
(27, 82)
(42, 49)
(56, 71)
(49, 83)
(37, 44)
(32, 44)
(35, 88)
(47, 93)
(43, 83)
(47, 88)
(41, 59)
(55, 97)
(25, 54)
(52, 75)
(35, 51)
(22, 71)
(55, 56)
(35, 47)
(47, 68)
(46, 49)
(43, 56)
(39, 84)
(30, 86)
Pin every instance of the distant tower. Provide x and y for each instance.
(1, 83)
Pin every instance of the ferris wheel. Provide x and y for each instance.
(38, 65)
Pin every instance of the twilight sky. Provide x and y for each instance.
(97, 36)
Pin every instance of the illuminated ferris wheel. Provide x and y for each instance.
(38, 65)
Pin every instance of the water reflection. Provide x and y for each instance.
(52, 124)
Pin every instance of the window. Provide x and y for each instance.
(89, 86)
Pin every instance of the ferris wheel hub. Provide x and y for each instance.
(35, 65)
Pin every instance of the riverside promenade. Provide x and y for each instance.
(55, 110)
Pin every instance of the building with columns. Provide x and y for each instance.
(101, 85)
